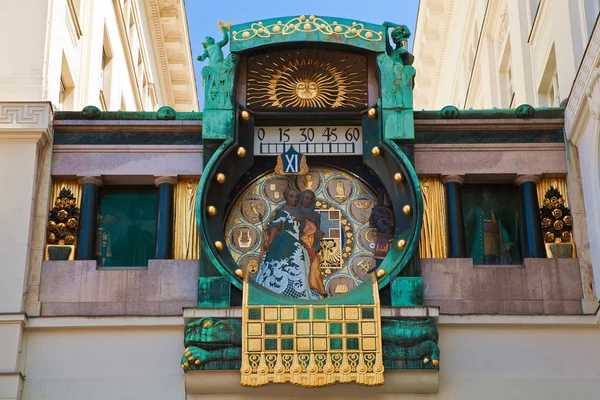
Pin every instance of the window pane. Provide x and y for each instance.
(492, 223)
(127, 226)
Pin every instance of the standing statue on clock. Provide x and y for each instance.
(488, 241)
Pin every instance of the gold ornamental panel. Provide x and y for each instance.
(307, 79)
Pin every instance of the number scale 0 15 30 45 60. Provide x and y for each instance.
(309, 140)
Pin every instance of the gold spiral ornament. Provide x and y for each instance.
(307, 79)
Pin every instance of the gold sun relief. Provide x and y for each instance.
(307, 89)
(307, 79)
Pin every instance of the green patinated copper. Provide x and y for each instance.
(308, 29)
(407, 291)
(207, 296)
(409, 343)
(94, 113)
(396, 258)
(523, 111)
(396, 78)
(218, 81)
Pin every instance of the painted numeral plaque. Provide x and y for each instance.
(308, 140)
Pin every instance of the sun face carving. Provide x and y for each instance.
(307, 89)
(307, 79)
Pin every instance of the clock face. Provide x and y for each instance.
(308, 236)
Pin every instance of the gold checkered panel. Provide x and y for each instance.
(312, 345)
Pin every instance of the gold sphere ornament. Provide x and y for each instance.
(241, 152)
(566, 236)
(239, 272)
(380, 273)
(375, 151)
(568, 220)
(62, 214)
(51, 225)
(197, 362)
(372, 113)
(556, 213)
(211, 211)
(219, 245)
(558, 225)
(546, 222)
(61, 227)
(425, 360)
(186, 364)
(406, 209)
(398, 177)
(70, 239)
(549, 237)
(435, 362)
(51, 237)
(245, 115)
(72, 222)
(220, 178)
(401, 244)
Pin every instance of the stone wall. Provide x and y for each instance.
(540, 286)
(79, 288)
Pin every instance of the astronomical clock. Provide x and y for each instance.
(309, 208)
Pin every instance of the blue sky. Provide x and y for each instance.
(203, 16)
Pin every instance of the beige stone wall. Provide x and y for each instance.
(138, 361)
(482, 357)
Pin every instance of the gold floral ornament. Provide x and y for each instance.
(307, 79)
(312, 24)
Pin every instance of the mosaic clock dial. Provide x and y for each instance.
(309, 236)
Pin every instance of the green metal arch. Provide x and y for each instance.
(307, 29)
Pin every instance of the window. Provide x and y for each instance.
(126, 226)
(492, 224)
(548, 90)
(66, 87)
(105, 73)
(505, 74)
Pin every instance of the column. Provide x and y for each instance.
(457, 246)
(86, 245)
(533, 245)
(164, 222)
(25, 138)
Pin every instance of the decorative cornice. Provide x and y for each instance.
(127, 149)
(25, 122)
(168, 22)
(582, 84)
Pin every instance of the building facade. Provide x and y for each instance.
(448, 254)
(125, 55)
(496, 53)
